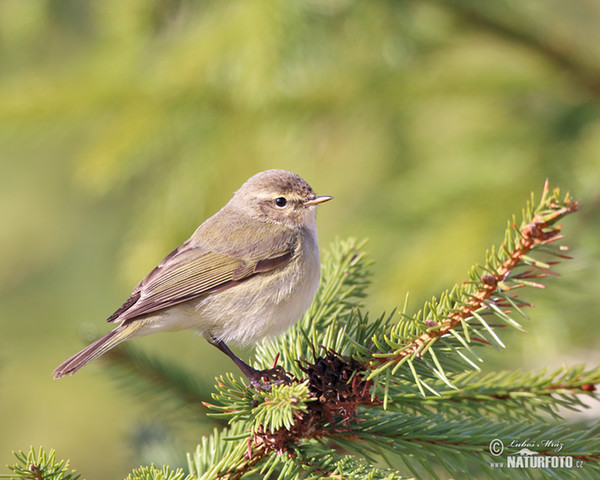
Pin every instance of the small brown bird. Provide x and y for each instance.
(248, 272)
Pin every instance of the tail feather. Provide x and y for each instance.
(94, 350)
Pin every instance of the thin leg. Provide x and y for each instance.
(276, 374)
(252, 374)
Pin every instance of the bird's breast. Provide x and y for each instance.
(266, 304)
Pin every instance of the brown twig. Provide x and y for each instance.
(338, 387)
(540, 231)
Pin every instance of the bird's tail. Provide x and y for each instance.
(94, 350)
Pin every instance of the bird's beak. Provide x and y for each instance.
(317, 200)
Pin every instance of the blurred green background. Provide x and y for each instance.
(123, 125)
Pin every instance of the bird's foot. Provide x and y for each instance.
(265, 379)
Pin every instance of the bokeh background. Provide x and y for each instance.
(123, 125)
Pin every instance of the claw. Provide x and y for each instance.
(274, 376)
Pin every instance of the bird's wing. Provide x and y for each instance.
(191, 271)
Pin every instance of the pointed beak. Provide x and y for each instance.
(317, 200)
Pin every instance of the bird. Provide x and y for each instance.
(246, 273)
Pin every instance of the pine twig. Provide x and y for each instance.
(539, 232)
(41, 466)
(249, 463)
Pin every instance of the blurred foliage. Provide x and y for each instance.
(123, 125)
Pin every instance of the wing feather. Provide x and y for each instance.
(191, 271)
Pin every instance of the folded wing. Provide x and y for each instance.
(189, 272)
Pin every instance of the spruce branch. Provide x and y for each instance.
(265, 409)
(153, 473)
(314, 461)
(225, 455)
(509, 394)
(282, 416)
(40, 466)
(476, 309)
(431, 439)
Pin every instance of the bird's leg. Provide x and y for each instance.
(276, 375)
(252, 374)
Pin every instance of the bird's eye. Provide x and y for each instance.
(281, 202)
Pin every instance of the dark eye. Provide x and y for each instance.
(281, 202)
